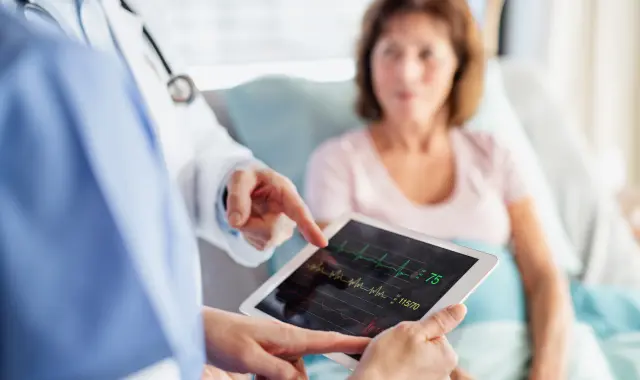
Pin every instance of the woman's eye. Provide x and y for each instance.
(391, 52)
(425, 54)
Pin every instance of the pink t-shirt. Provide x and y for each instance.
(346, 174)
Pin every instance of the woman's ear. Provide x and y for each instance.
(491, 26)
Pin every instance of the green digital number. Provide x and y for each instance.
(434, 278)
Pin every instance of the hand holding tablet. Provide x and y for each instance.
(369, 278)
(412, 347)
(239, 344)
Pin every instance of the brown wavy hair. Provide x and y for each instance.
(467, 44)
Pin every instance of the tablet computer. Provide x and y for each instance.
(370, 277)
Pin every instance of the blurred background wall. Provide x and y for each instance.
(591, 52)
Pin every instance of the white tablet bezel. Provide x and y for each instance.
(457, 294)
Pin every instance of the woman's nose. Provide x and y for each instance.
(410, 69)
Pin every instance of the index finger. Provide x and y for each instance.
(299, 341)
(443, 321)
(293, 206)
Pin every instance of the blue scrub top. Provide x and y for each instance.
(97, 257)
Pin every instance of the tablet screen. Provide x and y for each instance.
(365, 281)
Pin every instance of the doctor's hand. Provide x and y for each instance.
(266, 207)
(269, 349)
(412, 348)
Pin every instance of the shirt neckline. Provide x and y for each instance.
(374, 155)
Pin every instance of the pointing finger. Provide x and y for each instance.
(294, 208)
(299, 342)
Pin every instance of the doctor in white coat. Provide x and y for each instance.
(206, 162)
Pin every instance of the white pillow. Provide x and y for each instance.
(497, 116)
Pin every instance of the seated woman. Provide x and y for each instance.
(419, 76)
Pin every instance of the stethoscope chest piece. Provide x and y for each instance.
(182, 89)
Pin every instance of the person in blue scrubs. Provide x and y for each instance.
(97, 255)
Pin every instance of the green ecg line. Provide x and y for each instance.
(378, 261)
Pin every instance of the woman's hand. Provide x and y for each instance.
(412, 349)
(265, 206)
(240, 344)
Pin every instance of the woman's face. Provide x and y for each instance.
(413, 65)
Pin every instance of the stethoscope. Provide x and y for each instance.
(181, 87)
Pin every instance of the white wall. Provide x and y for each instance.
(616, 78)
(591, 52)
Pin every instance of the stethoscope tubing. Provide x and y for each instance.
(174, 79)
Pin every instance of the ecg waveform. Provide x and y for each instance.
(344, 316)
(399, 271)
(380, 263)
(355, 283)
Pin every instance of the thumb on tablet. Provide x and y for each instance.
(443, 321)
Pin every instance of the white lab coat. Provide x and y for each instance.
(198, 151)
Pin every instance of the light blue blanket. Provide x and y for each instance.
(493, 340)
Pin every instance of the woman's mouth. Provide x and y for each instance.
(406, 95)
